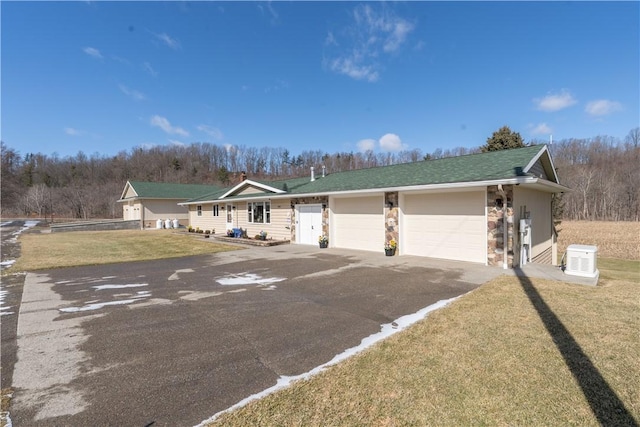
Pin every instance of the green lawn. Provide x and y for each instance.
(53, 250)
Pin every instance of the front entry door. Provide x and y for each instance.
(309, 224)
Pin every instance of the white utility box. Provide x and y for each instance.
(582, 261)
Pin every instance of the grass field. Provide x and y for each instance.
(42, 251)
(614, 239)
(513, 352)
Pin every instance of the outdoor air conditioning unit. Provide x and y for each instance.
(581, 261)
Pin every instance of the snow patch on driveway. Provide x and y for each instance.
(176, 275)
(248, 279)
(133, 285)
(14, 239)
(4, 308)
(98, 305)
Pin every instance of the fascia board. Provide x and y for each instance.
(126, 186)
(248, 182)
(533, 161)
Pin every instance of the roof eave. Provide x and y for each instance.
(542, 184)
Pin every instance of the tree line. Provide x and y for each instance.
(602, 171)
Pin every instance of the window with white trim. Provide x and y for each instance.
(199, 209)
(259, 212)
(216, 210)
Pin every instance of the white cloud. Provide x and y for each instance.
(602, 107)
(272, 12)
(211, 131)
(73, 131)
(150, 69)
(330, 40)
(555, 102)
(366, 145)
(391, 142)
(351, 68)
(398, 35)
(133, 94)
(93, 52)
(176, 142)
(166, 39)
(374, 32)
(540, 129)
(164, 124)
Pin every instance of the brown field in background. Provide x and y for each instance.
(614, 239)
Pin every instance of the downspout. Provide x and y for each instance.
(505, 234)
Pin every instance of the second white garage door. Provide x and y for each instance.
(449, 226)
(358, 223)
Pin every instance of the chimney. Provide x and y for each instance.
(323, 171)
(243, 176)
(313, 178)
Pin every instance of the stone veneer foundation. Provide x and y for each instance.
(496, 208)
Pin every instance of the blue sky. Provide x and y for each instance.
(104, 77)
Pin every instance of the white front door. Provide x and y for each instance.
(309, 224)
(230, 213)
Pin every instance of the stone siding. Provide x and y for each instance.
(391, 217)
(317, 200)
(496, 208)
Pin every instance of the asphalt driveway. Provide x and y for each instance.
(173, 342)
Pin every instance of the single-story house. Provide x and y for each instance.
(148, 202)
(452, 208)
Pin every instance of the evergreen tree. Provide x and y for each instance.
(503, 139)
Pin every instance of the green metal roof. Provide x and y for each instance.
(166, 190)
(490, 166)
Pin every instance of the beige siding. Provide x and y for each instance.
(538, 204)
(251, 190)
(130, 193)
(207, 221)
(278, 229)
(153, 210)
(131, 210)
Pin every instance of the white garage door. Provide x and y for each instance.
(448, 226)
(358, 223)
